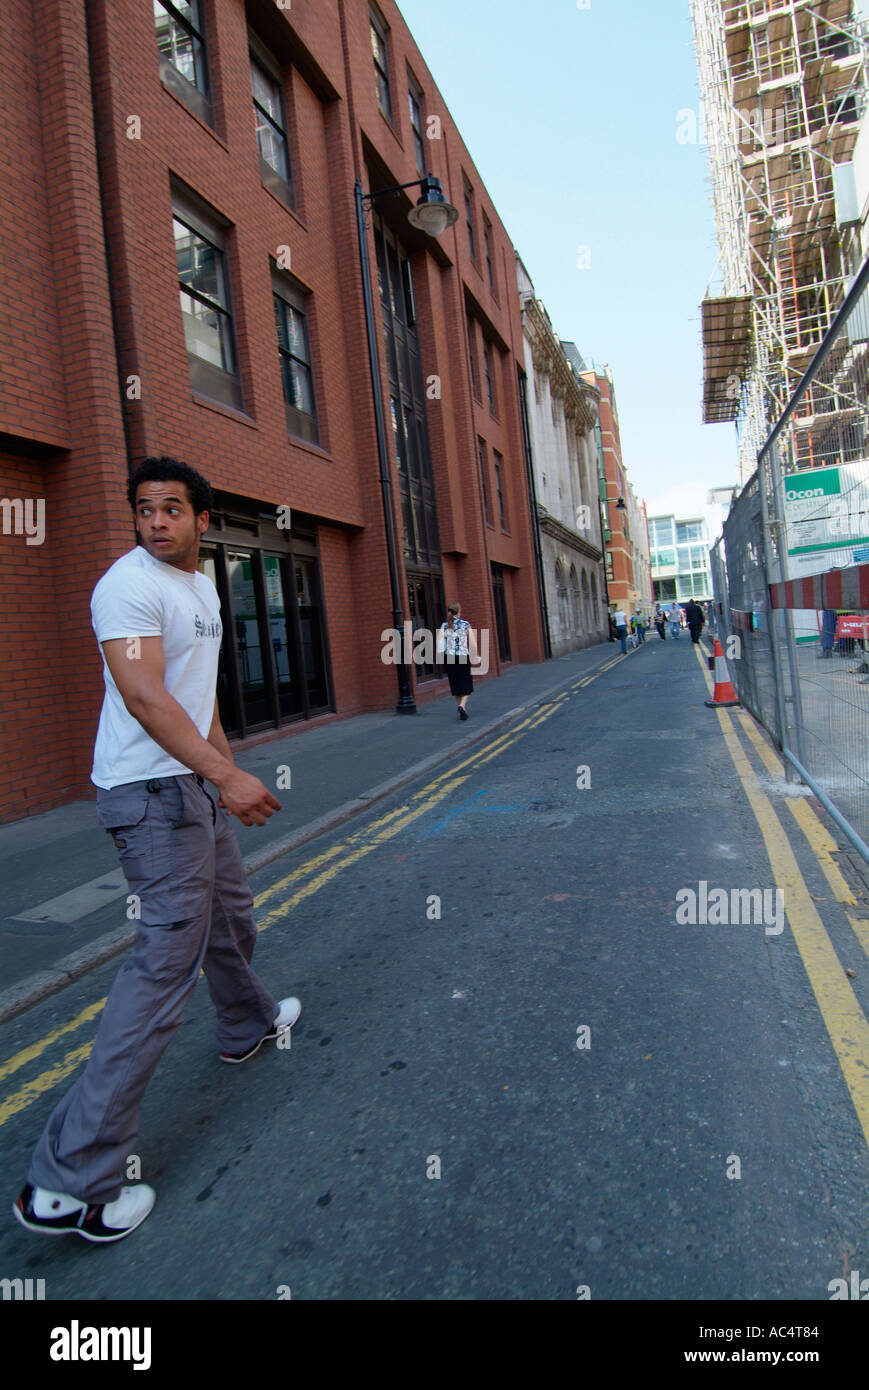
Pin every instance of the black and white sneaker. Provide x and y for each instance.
(59, 1214)
(288, 1013)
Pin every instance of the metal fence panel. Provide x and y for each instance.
(791, 572)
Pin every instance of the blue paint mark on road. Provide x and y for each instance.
(467, 808)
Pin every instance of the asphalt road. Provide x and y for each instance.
(435, 1131)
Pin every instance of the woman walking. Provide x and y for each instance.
(458, 648)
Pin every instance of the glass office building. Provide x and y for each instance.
(680, 558)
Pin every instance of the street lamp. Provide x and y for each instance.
(432, 214)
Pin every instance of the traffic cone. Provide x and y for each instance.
(723, 694)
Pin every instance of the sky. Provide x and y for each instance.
(571, 117)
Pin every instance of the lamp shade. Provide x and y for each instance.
(432, 214)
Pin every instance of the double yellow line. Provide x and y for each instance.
(840, 1009)
(302, 883)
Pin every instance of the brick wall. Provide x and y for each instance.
(76, 184)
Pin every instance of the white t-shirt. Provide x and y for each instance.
(143, 597)
(621, 619)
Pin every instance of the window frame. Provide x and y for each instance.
(272, 179)
(206, 379)
(501, 489)
(300, 424)
(416, 99)
(197, 97)
(483, 463)
(470, 216)
(472, 355)
(489, 374)
(487, 247)
(379, 28)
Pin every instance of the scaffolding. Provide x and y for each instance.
(783, 87)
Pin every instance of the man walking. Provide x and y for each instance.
(621, 622)
(695, 619)
(675, 619)
(157, 621)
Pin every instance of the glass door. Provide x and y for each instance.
(228, 693)
(289, 687)
(501, 620)
(242, 577)
(311, 633)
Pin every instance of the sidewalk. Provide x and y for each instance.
(63, 906)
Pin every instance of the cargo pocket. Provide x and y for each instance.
(171, 801)
(123, 813)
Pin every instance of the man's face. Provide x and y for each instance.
(167, 525)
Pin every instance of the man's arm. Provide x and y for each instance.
(140, 683)
(217, 738)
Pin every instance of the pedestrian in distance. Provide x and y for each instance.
(621, 622)
(828, 633)
(660, 623)
(457, 649)
(640, 629)
(675, 619)
(695, 618)
(159, 740)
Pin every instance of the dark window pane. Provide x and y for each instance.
(247, 636)
(313, 658)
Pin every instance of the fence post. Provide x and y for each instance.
(778, 675)
(780, 522)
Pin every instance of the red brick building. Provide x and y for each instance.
(179, 274)
(627, 548)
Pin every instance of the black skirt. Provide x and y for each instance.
(459, 675)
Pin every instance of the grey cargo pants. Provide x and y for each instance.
(182, 861)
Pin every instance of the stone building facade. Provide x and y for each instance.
(562, 414)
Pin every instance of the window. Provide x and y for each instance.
(499, 486)
(414, 96)
(381, 61)
(425, 598)
(407, 405)
(271, 130)
(200, 250)
(181, 46)
(487, 244)
(499, 597)
(472, 351)
(469, 217)
(490, 380)
(687, 531)
(481, 456)
(698, 557)
(294, 352)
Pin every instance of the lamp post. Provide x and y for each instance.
(432, 214)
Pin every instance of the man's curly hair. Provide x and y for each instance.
(166, 470)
